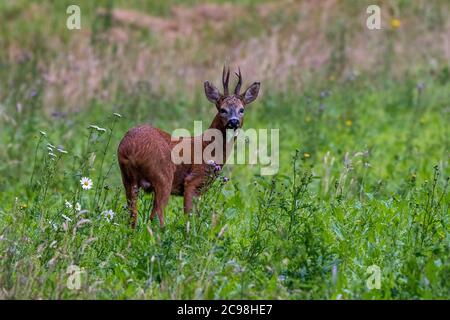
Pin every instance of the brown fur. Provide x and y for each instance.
(144, 155)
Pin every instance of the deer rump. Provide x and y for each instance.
(144, 157)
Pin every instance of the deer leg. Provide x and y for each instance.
(190, 191)
(131, 191)
(188, 195)
(161, 198)
(162, 186)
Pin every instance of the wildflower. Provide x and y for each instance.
(225, 179)
(77, 207)
(118, 115)
(86, 183)
(348, 123)
(65, 225)
(97, 128)
(395, 23)
(306, 155)
(66, 217)
(53, 225)
(217, 168)
(68, 204)
(108, 214)
(211, 162)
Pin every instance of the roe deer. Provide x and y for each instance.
(144, 153)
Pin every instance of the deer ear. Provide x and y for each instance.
(251, 93)
(211, 92)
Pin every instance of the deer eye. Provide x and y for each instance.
(241, 110)
(223, 111)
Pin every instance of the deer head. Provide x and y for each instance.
(231, 107)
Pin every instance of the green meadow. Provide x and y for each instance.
(359, 208)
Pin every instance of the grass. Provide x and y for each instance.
(363, 181)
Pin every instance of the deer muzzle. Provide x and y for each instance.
(233, 123)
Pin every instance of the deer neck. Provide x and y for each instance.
(227, 141)
(217, 124)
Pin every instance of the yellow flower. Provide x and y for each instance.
(348, 123)
(395, 23)
(306, 155)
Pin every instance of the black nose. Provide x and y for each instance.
(233, 123)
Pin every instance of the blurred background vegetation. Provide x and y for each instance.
(173, 46)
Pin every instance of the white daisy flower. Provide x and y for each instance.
(68, 204)
(78, 207)
(108, 214)
(86, 183)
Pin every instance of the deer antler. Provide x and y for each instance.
(225, 79)
(238, 85)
